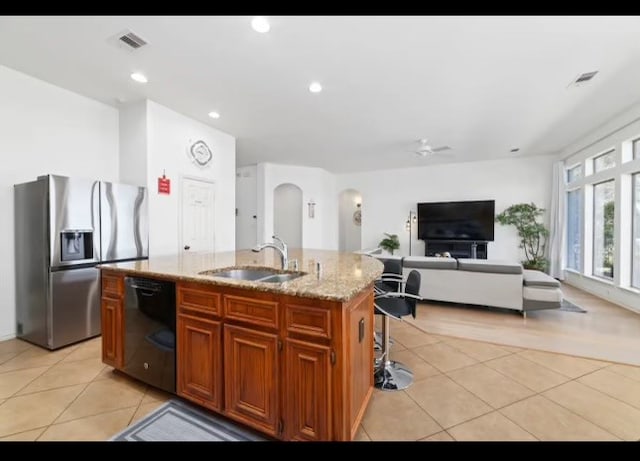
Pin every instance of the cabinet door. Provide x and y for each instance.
(251, 378)
(199, 364)
(112, 332)
(307, 390)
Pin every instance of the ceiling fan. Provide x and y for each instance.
(425, 150)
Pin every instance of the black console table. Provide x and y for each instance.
(456, 248)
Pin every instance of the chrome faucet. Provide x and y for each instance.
(282, 249)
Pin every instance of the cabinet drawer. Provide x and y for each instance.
(198, 299)
(112, 285)
(250, 310)
(308, 320)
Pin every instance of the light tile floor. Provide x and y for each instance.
(463, 390)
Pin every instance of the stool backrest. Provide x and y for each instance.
(412, 287)
(393, 266)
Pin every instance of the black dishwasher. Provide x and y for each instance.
(150, 331)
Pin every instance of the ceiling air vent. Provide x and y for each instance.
(132, 40)
(583, 78)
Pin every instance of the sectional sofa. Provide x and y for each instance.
(483, 282)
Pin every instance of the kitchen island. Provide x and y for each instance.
(293, 360)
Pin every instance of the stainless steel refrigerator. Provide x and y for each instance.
(64, 227)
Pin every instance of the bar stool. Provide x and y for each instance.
(389, 281)
(391, 375)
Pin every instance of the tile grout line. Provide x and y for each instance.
(427, 413)
(29, 382)
(605, 393)
(580, 416)
(536, 393)
(555, 371)
(454, 338)
(71, 403)
(584, 417)
(496, 410)
(77, 419)
(571, 411)
(426, 305)
(620, 374)
(524, 385)
(21, 432)
(146, 391)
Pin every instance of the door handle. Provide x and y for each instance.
(187, 247)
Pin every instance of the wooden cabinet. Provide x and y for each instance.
(199, 361)
(112, 319)
(251, 378)
(293, 368)
(307, 390)
(199, 353)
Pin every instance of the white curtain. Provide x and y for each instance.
(557, 222)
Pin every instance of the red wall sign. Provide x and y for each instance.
(164, 185)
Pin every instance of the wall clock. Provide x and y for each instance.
(200, 153)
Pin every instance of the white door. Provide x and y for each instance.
(198, 205)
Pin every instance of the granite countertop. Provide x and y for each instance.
(343, 275)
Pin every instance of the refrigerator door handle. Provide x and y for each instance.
(95, 220)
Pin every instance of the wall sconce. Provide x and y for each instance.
(312, 209)
(357, 215)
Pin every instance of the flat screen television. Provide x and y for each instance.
(464, 221)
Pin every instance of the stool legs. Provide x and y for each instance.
(377, 341)
(390, 375)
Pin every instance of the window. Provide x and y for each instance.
(604, 161)
(635, 263)
(636, 148)
(574, 230)
(603, 229)
(574, 173)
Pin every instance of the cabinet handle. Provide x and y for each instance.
(280, 426)
(279, 344)
(361, 330)
(332, 357)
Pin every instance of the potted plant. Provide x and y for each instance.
(390, 243)
(533, 235)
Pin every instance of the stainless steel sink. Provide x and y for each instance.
(242, 274)
(266, 275)
(279, 278)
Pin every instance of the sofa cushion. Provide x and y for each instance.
(492, 266)
(539, 279)
(429, 262)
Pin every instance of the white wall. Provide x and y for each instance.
(318, 185)
(46, 129)
(350, 234)
(389, 195)
(169, 135)
(133, 143)
(287, 214)
(247, 207)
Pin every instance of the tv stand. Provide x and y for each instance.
(457, 248)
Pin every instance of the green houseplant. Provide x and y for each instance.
(390, 243)
(533, 235)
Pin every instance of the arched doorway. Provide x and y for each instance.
(287, 214)
(350, 220)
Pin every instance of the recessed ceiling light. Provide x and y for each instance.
(315, 87)
(260, 24)
(138, 77)
(214, 115)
